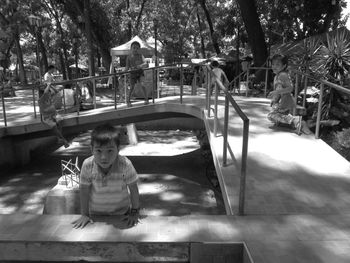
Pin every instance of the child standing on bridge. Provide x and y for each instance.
(220, 74)
(108, 181)
(136, 62)
(282, 101)
(49, 113)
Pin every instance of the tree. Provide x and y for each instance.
(214, 37)
(256, 35)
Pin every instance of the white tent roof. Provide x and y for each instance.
(124, 49)
(80, 66)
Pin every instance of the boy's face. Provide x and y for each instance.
(277, 66)
(135, 49)
(105, 154)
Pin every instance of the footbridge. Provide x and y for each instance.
(286, 196)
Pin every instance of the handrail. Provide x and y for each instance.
(238, 77)
(245, 119)
(323, 83)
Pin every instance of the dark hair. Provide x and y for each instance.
(135, 43)
(282, 58)
(51, 67)
(215, 64)
(104, 134)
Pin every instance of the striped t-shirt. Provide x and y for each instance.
(108, 194)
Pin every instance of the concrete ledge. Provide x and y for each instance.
(155, 239)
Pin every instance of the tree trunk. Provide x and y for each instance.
(211, 28)
(42, 50)
(89, 37)
(129, 22)
(62, 63)
(201, 35)
(255, 33)
(22, 73)
(138, 21)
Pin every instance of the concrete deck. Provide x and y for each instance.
(297, 201)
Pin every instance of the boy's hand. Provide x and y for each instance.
(132, 218)
(271, 94)
(82, 222)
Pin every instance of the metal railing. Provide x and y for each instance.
(236, 82)
(324, 84)
(303, 78)
(229, 101)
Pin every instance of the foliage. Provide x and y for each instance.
(335, 53)
(343, 138)
(182, 25)
(296, 20)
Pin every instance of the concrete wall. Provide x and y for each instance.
(17, 152)
(190, 123)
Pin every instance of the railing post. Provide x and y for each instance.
(208, 80)
(247, 87)
(159, 87)
(181, 83)
(156, 77)
(34, 104)
(225, 132)
(94, 91)
(41, 116)
(155, 80)
(64, 100)
(77, 97)
(243, 167)
(194, 83)
(266, 81)
(125, 89)
(305, 88)
(216, 109)
(114, 86)
(296, 88)
(319, 112)
(3, 107)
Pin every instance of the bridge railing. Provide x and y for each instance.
(323, 85)
(230, 103)
(301, 83)
(244, 78)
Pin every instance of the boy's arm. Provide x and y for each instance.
(133, 217)
(84, 199)
(127, 65)
(144, 63)
(134, 196)
(84, 208)
(226, 81)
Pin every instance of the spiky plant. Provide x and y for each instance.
(335, 58)
(335, 53)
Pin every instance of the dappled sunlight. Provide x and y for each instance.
(171, 196)
(276, 186)
(151, 188)
(176, 196)
(151, 143)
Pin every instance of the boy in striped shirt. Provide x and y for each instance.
(108, 181)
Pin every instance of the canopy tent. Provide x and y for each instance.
(80, 66)
(124, 49)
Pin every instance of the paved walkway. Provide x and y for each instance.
(297, 200)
